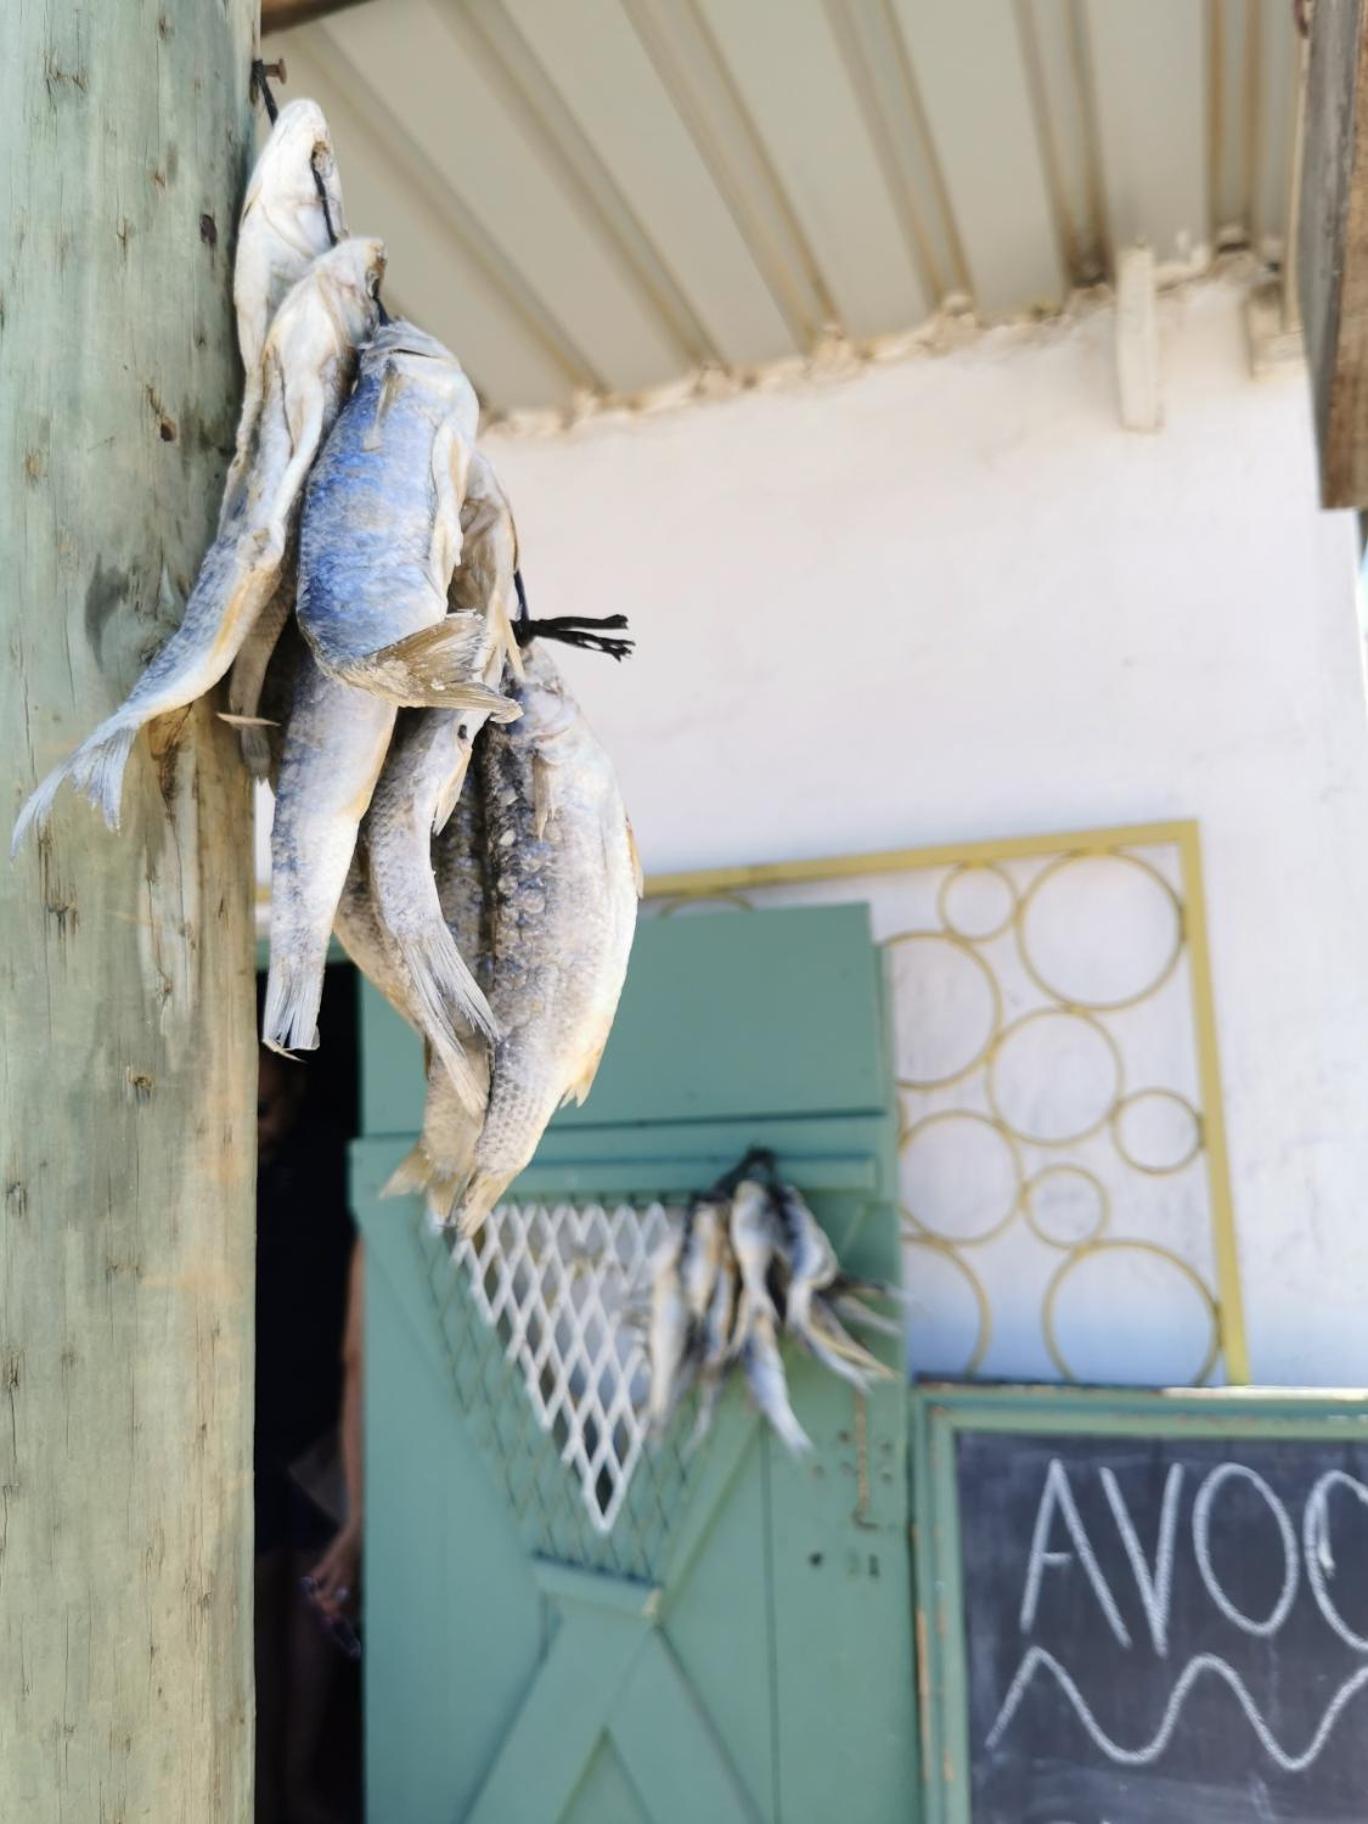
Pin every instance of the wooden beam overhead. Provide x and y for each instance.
(1332, 251)
(280, 15)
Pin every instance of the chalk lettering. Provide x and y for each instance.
(1320, 1557)
(1155, 1587)
(1056, 1495)
(1201, 1544)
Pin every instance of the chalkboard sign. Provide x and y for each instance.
(1143, 1609)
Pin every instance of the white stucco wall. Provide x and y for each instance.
(953, 599)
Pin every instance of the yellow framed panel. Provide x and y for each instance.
(729, 885)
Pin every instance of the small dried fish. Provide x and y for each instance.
(717, 1347)
(333, 747)
(308, 363)
(381, 535)
(418, 788)
(283, 228)
(669, 1326)
(440, 1162)
(764, 1370)
(563, 881)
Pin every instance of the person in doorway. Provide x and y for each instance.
(308, 1508)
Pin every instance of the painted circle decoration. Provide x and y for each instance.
(1054, 1077)
(1066, 1205)
(954, 1338)
(977, 901)
(1100, 931)
(1157, 1131)
(1106, 1290)
(948, 1008)
(961, 1177)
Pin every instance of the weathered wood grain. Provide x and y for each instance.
(1332, 250)
(127, 1062)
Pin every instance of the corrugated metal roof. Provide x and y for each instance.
(602, 195)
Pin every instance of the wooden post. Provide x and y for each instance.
(1332, 245)
(127, 1061)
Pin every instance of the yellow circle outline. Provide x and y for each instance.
(908, 1134)
(677, 904)
(1065, 1168)
(995, 997)
(1164, 1095)
(1056, 867)
(1089, 1248)
(985, 1309)
(1055, 1013)
(977, 867)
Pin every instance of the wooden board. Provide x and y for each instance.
(1143, 1608)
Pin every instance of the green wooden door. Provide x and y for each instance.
(737, 1645)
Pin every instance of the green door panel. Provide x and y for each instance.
(800, 999)
(738, 1648)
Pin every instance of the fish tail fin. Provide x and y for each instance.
(854, 1310)
(419, 1175)
(480, 1194)
(765, 1378)
(433, 669)
(253, 740)
(97, 770)
(443, 986)
(412, 1175)
(832, 1343)
(256, 751)
(38, 809)
(294, 992)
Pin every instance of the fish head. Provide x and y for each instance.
(548, 709)
(300, 144)
(401, 349)
(350, 276)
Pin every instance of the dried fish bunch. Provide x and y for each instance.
(747, 1264)
(439, 799)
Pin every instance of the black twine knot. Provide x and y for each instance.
(582, 630)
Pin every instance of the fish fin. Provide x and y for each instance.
(432, 669)
(835, 1341)
(578, 1092)
(255, 744)
(294, 991)
(543, 793)
(854, 1311)
(413, 1174)
(449, 796)
(479, 1196)
(390, 388)
(443, 985)
(451, 458)
(96, 770)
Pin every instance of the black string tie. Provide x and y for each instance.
(585, 631)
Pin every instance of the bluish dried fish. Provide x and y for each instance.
(380, 536)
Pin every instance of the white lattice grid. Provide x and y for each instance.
(566, 1287)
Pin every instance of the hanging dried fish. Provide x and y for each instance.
(563, 879)
(726, 1287)
(381, 532)
(307, 366)
(291, 214)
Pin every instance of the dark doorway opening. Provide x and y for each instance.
(307, 1505)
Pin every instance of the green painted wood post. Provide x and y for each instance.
(127, 1062)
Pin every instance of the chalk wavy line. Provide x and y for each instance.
(1038, 1658)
